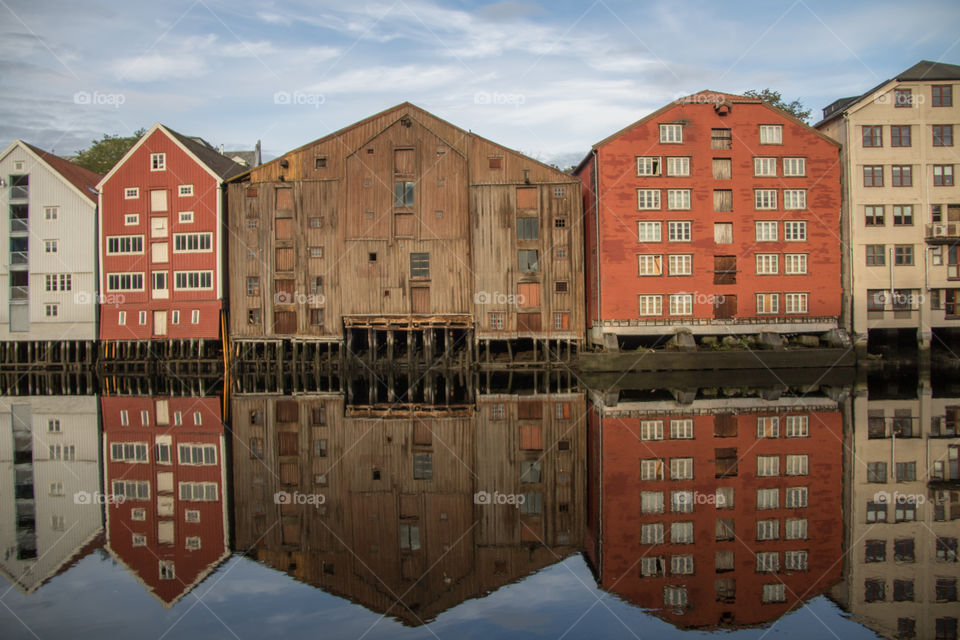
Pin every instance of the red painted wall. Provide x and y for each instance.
(621, 517)
(145, 560)
(135, 172)
(618, 184)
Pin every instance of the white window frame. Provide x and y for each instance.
(681, 429)
(648, 199)
(768, 529)
(651, 533)
(797, 497)
(768, 562)
(187, 274)
(765, 199)
(158, 162)
(651, 502)
(796, 303)
(762, 231)
(765, 167)
(678, 166)
(681, 533)
(768, 304)
(797, 426)
(681, 565)
(51, 213)
(648, 166)
(131, 193)
(795, 529)
(795, 560)
(771, 134)
(681, 304)
(680, 264)
(798, 464)
(795, 264)
(679, 231)
(768, 426)
(650, 305)
(651, 429)
(198, 237)
(131, 219)
(651, 469)
(768, 264)
(794, 199)
(681, 468)
(184, 190)
(671, 133)
(768, 466)
(678, 199)
(794, 167)
(768, 498)
(135, 278)
(795, 230)
(649, 264)
(120, 240)
(185, 217)
(645, 231)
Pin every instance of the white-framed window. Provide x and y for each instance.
(175, 316)
(795, 560)
(768, 499)
(768, 466)
(648, 199)
(125, 282)
(795, 230)
(131, 219)
(794, 167)
(796, 497)
(316, 252)
(651, 533)
(681, 468)
(671, 133)
(139, 540)
(119, 245)
(797, 426)
(764, 199)
(197, 418)
(650, 305)
(167, 571)
(797, 464)
(122, 318)
(51, 310)
(177, 418)
(679, 231)
(651, 566)
(765, 166)
(771, 134)
(649, 231)
(681, 565)
(197, 454)
(681, 429)
(145, 418)
(132, 489)
(128, 451)
(795, 264)
(185, 217)
(768, 529)
(766, 230)
(50, 246)
(678, 198)
(674, 596)
(651, 469)
(187, 280)
(681, 304)
(53, 425)
(648, 165)
(681, 501)
(124, 418)
(774, 593)
(724, 497)
(649, 265)
(795, 529)
(678, 166)
(63, 452)
(192, 543)
(195, 316)
(794, 198)
(768, 562)
(795, 302)
(51, 213)
(131, 193)
(681, 532)
(185, 190)
(680, 264)
(193, 242)
(142, 318)
(191, 515)
(651, 429)
(768, 303)
(198, 491)
(768, 426)
(158, 162)
(768, 263)
(651, 502)
(58, 282)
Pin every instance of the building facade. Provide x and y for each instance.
(717, 214)
(48, 285)
(902, 200)
(161, 242)
(405, 232)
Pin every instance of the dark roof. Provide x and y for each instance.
(248, 158)
(83, 179)
(216, 162)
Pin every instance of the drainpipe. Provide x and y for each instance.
(596, 224)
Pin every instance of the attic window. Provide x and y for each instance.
(441, 150)
(372, 257)
(496, 162)
(320, 163)
(252, 193)
(369, 151)
(722, 108)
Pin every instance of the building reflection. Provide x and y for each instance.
(410, 501)
(165, 457)
(717, 507)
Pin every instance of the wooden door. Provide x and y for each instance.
(159, 323)
(724, 306)
(420, 299)
(724, 269)
(528, 322)
(158, 252)
(158, 228)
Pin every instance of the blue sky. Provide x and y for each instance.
(546, 78)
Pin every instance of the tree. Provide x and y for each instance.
(106, 152)
(795, 108)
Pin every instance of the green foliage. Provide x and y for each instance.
(795, 108)
(106, 152)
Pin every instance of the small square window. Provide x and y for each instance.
(185, 190)
(320, 163)
(158, 162)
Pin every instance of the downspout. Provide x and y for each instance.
(596, 229)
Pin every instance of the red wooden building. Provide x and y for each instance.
(165, 457)
(161, 244)
(716, 214)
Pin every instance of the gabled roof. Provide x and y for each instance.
(83, 180)
(923, 70)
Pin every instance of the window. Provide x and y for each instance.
(58, 282)
(876, 472)
(681, 469)
(316, 222)
(648, 199)
(873, 175)
(901, 175)
(774, 593)
(124, 244)
(651, 566)
(765, 199)
(559, 223)
(650, 305)
(681, 304)
(53, 425)
(681, 532)
(162, 453)
(681, 565)
(721, 138)
(678, 231)
(942, 95)
(528, 228)
(651, 429)
(876, 512)
(797, 464)
(158, 161)
(946, 589)
(902, 97)
(797, 426)
(423, 466)
(198, 491)
(648, 231)
(187, 280)
(495, 320)
(768, 529)
(768, 498)
(796, 302)
(651, 469)
(253, 286)
(674, 596)
(419, 265)
(681, 429)
(132, 489)
(796, 497)
(764, 166)
(128, 451)
(873, 215)
(197, 454)
(795, 560)
(795, 529)
(648, 166)
(946, 549)
(192, 242)
(651, 533)
(403, 194)
(943, 175)
(678, 166)
(795, 263)
(768, 303)
(943, 135)
(768, 427)
(872, 136)
(767, 263)
(678, 198)
(903, 255)
(906, 471)
(131, 219)
(903, 550)
(185, 190)
(768, 466)
(795, 230)
(766, 231)
(650, 265)
(794, 167)
(131, 193)
(875, 551)
(874, 590)
(900, 135)
(771, 134)
(876, 255)
(254, 316)
(794, 198)
(527, 260)
(768, 562)
(560, 253)
(124, 282)
(651, 501)
(51, 310)
(671, 133)
(723, 232)
(680, 265)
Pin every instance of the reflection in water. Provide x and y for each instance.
(709, 506)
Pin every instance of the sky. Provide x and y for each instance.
(549, 79)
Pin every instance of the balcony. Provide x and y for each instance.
(19, 192)
(942, 232)
(19, 225)
(18, 258)
(19, 293)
